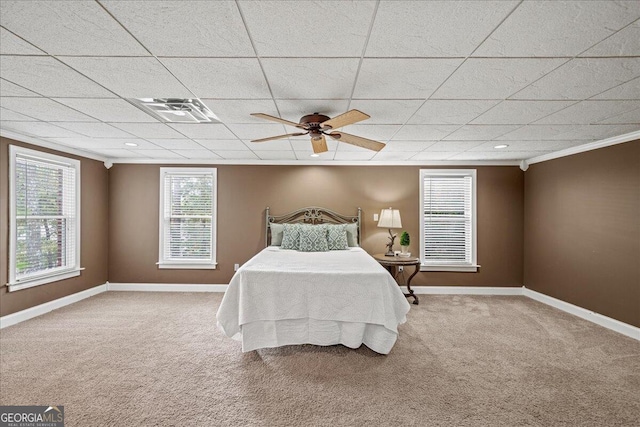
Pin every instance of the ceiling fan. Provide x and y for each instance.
(318, 125)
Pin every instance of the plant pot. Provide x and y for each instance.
(405, 249)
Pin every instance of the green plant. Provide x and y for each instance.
(405, 240)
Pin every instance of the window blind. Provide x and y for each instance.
(45, 216)
(447, 218)
(188, 217)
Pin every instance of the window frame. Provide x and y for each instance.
(73, 269)
(471, 266)
(190, 264)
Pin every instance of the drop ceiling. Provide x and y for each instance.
(442, 81)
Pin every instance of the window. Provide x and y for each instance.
(187, 218)
(448, 220)
(44, 218)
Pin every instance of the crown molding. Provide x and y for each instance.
(585, 147)
(51, 145)
(313, 163)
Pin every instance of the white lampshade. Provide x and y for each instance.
(390, 218)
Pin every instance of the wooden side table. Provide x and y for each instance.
(391, 263)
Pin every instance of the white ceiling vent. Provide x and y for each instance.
(176, 110)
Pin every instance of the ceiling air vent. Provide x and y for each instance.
(176, 110)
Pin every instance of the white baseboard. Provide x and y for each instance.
(164, 287)
(599, 319)
(38, 310)
(465, 290)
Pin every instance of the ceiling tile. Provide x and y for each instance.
(275, 145)
(69, 28)
(520, 112)
(289, 29)
(561, 28)
(433, 155)
(625, 42)
(435, 29)
(393, 111)
(591, 132)
(40, 129)
(130, 77)
(13, 45)
(258, 130)
(402, 78)
(311, 78)
(454, 146)
(239, 110)
(343, 146)
(408, 145)
(294, 109)
(354, 155)
(49, 77)
(377, 132)
(149, 130)
(394, 155)
(237, 155)
(230, 78)
(117, 153)
(424, 132)
(496, 155)
(275, 155)
(213, 28)
(494, 78)
(454, 112)
(203, 130)
(13, 116)
(158, 154)
(108, 110)
(44, 109)
(527, 145)
(581, 78)
(175, 143)
(628, 117)
(95, 130)
(222, 144)
(538, 132)
(197, 154)
(587, 112)
(94, 144)
(628, 90)
(9, 89)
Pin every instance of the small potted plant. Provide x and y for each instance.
(405, 240)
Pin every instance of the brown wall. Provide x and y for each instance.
(245, 191)
(94, 235)
(582, 230)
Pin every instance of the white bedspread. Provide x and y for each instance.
(284, 297)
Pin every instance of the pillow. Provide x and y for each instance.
(313, 238)
(290, 236)
(276, 234)
(352, 235)
(337, 237)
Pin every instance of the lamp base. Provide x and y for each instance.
(390, 253)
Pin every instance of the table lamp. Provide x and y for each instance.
(390, 218)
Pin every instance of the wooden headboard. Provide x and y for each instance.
(310, 215)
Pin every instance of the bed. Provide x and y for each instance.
(288, 297)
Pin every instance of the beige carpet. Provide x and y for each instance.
(157, 359)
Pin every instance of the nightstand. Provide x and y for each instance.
(392, 264)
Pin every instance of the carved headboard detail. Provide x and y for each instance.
(310, 215)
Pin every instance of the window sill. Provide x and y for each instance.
(453, 268)
(186, 266)
(24, 284)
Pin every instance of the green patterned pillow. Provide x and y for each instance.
(290, 236)
(313, 238)
(337, 237)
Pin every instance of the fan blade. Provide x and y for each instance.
(279, 136)
(369, 144)
(319, 144)
(348, 118)
(277, 119)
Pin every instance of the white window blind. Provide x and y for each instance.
(448, 218)
(187, 220)
(45, 218)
